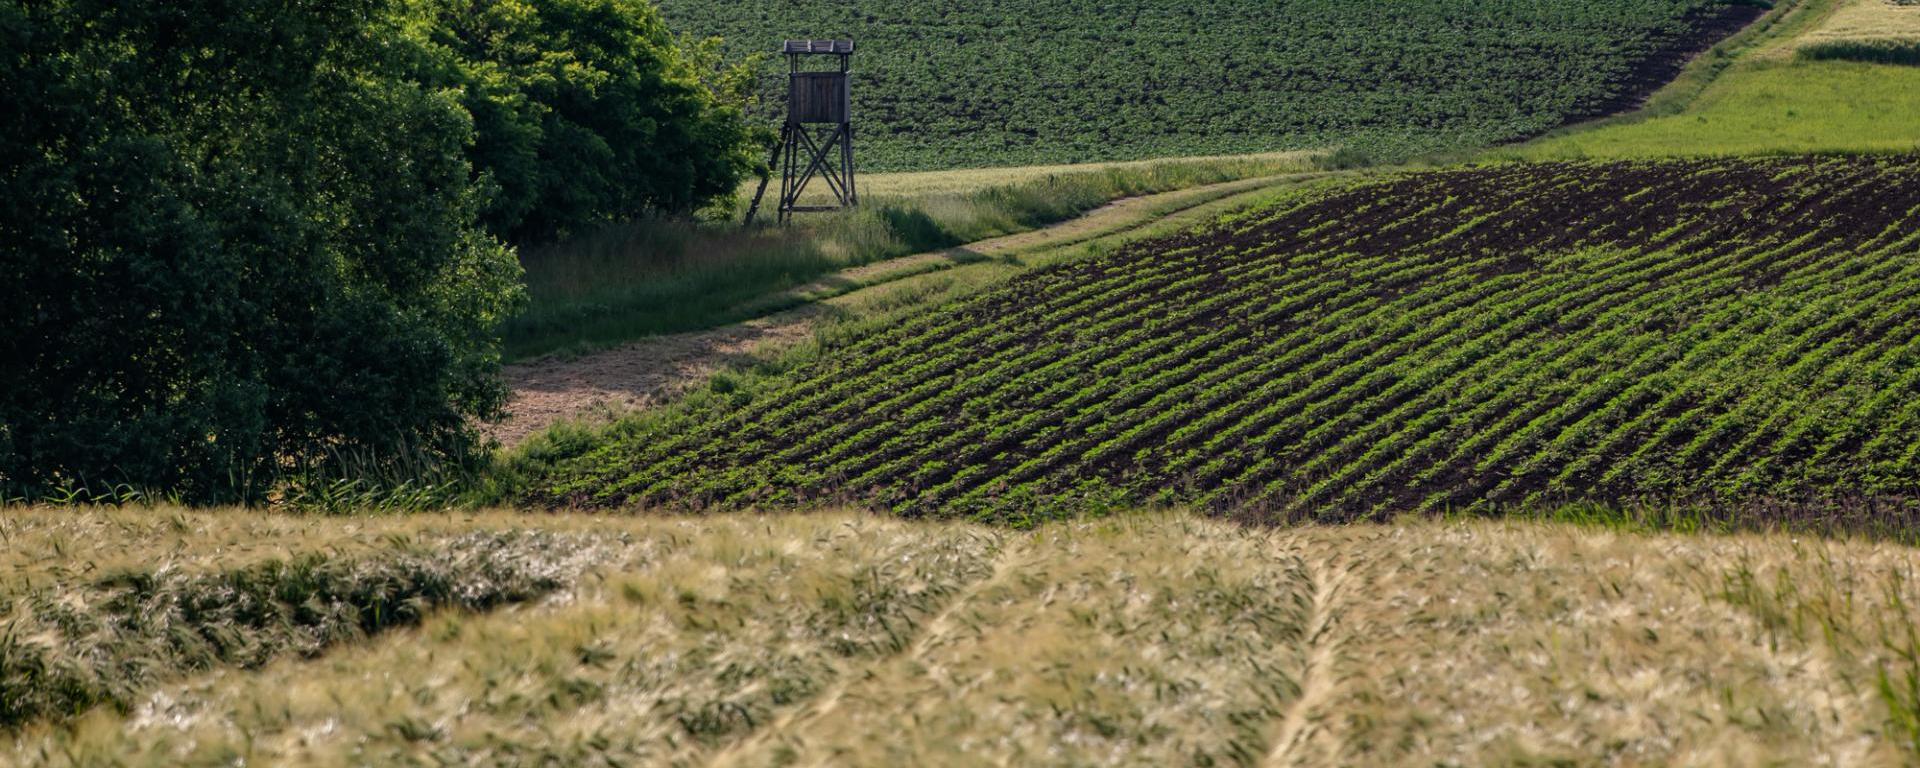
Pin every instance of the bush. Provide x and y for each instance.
(587, 112)
(240, 241)
(1902, 52)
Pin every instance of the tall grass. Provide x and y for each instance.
(1867, 622)
(660, 275)
(66, 650)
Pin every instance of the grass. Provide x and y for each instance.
(1767, 107)
(1754, 96)
(1138, 639)
(660, 276)
(966, 181)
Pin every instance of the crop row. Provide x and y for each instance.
(1014, 82)
(1511, 334)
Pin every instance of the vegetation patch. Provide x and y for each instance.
(69, 648)
(1719, 333)
(1047, 81)
(1874, 31)
(1871, 51)
(1136, 639)
(661, 275)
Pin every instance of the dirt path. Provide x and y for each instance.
(639, 375)
(634, 376)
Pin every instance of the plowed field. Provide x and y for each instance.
(1735, 332)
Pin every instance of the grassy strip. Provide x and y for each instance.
(662, 276)
(1767, 107)
(1879, 520)
(65, 651)
(1753, 95)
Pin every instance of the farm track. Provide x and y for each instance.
(1704, 331)
(601, 386)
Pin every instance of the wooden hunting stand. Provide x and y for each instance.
(818, 136)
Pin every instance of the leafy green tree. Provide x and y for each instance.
(238, 238)
(589, 111)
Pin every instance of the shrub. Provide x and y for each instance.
(1904, 52)
(240, 239)
(588, 112)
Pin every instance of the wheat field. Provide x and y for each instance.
(1867, 20)
(1141, 639)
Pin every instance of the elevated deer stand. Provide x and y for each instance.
(817, 139)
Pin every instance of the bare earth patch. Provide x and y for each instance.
(633, 377)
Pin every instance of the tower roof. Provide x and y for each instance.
(840, 47)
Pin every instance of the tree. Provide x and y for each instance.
(588, 111)
(239, 238)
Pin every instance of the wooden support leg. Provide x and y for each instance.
(773, 164)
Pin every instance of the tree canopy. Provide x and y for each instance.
(244, 238)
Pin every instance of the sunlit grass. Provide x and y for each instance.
(968, 180)
(1766, 107)
(1866, 21)
(1140, 639)
(1758, 94)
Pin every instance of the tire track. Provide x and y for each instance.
(1299, 728)
(822, 705)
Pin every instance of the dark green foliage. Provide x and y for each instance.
(238, 239)
(587, 112)
(1905, 52)
(1736, 334)
(1013, 82)
(65, 651)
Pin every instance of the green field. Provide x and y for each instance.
(1786, 89)
(1735, 332)
(1767, 107)
(1023, 82)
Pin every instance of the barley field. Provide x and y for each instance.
(1139, 639)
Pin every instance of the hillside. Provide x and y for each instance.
(1021, 82)
(1826, 79)
(1601, 448)
(798, 640)
(1736, 332)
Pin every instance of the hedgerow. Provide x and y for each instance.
(589, 111)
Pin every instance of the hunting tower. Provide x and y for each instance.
(817, 138)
